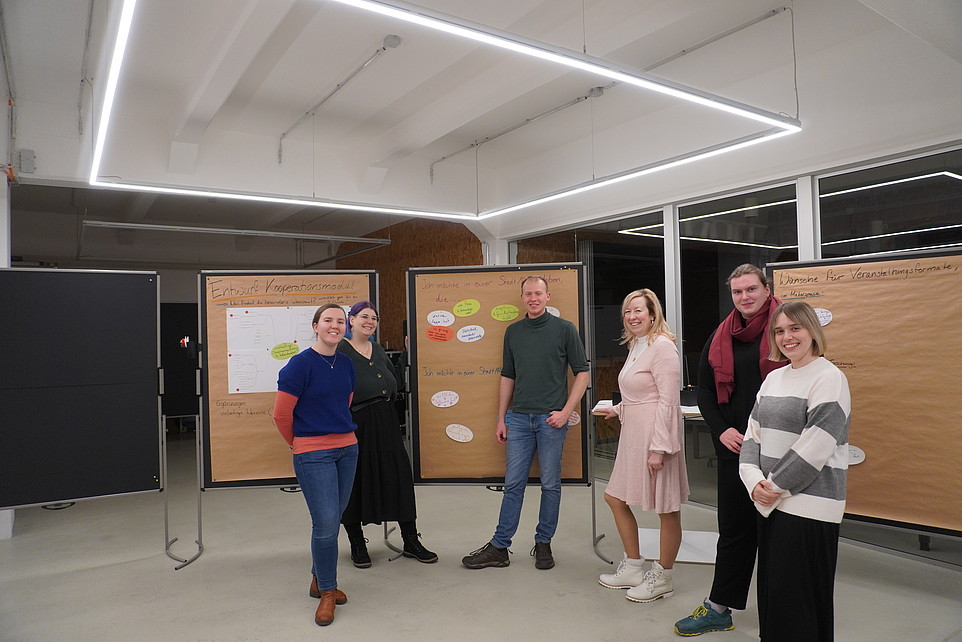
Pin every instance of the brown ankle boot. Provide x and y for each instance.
(325, 609)
(339, 596)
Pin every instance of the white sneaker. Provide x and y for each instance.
(656, 583)
(626, 576)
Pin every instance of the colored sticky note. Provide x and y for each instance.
(284, 350)
(467, 307)
(505, 312)
(439, 333)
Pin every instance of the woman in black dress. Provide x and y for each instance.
(383, 485)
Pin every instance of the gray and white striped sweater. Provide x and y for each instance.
(797, 438)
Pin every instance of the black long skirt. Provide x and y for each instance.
(383, 484)
(797, 557)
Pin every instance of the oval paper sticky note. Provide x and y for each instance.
(574, 419)
(824, 316)
(439, 333)
(505, 312)
(460, 433)
(440, 317)
(470, 333)
(284, 350)
(855, 455)
(445, 398)
(552, 310)
(467, 307)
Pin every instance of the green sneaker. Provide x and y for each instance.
(704, 619)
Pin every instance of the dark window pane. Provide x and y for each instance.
(915, 204)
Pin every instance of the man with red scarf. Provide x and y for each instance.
(733, 365)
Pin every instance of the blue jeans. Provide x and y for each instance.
(326, 478)
(527, 433)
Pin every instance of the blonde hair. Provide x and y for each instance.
(804, 315)
(534, 277)
(659, 326)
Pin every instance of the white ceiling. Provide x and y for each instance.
(208, 88)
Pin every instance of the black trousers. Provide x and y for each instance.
(737, 538)
(796, 578)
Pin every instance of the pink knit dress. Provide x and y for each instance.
(650, 421)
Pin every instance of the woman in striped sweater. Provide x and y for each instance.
(793, 462)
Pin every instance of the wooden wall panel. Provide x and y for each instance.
(550, 248)
(414, 243)
(606, 381)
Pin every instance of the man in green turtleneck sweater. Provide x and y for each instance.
(538, 350)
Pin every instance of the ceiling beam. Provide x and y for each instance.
(253, 25)
(137, 211)
(281, 213)
(485, 91)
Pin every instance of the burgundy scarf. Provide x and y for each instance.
(722, 357)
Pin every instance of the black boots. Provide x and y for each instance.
(359, 554)
(412, 544)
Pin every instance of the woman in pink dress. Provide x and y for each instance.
(649, 469)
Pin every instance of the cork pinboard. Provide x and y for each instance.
(251, 324)
(457, 318)
(892, 327)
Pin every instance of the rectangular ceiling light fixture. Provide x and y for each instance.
(778, 125)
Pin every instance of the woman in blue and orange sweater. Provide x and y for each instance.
(312, 412)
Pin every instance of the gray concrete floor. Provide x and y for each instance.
(97, 571)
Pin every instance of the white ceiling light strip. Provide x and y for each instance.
(911, 249)
(830, 194)
(696, 238)
(892, 182)
(635, 232)
(714, 214)
(782, 125)
(891, 234)
(113, 76)
(677, 161)
(597, 92)
(574, 60)
(267, 198)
